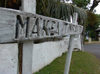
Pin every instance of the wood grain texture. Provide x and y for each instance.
(19, 26)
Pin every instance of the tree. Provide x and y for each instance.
(91, 25)
(60, 10)
(51, 8)
(14, 4)
(84, 3)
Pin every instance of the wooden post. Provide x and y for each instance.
(20, 49)
(70, 47)
(25, 48)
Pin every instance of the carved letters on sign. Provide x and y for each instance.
(19, 25)
(37, 27)
(32, 27)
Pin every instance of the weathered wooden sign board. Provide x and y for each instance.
(18, 26)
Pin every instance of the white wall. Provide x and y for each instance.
(8, 58)
(43, 54)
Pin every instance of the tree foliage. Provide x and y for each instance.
(14, 4)
(84, 3)
(92, 19)
(98, 19)
(51, 8)
(56, 9)
(81, 3)
(93, 24)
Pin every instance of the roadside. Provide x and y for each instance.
(93, 48)
(93, 42)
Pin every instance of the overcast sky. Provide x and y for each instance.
(98, 9)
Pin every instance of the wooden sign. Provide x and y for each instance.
(17, 25)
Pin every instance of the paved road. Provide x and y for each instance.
(93, 48)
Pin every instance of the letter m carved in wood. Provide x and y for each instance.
(21, 27)
(24, 27)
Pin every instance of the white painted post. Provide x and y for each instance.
(28, 6)
(70, 48)
(27, 57)
(69, 54)
(78, 36)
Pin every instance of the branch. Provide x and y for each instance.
(95, 3)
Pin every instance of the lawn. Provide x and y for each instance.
(82, 63)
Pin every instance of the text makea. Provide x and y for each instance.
(18, 25)
(40, 26)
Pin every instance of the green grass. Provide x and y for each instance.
(82, 63)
